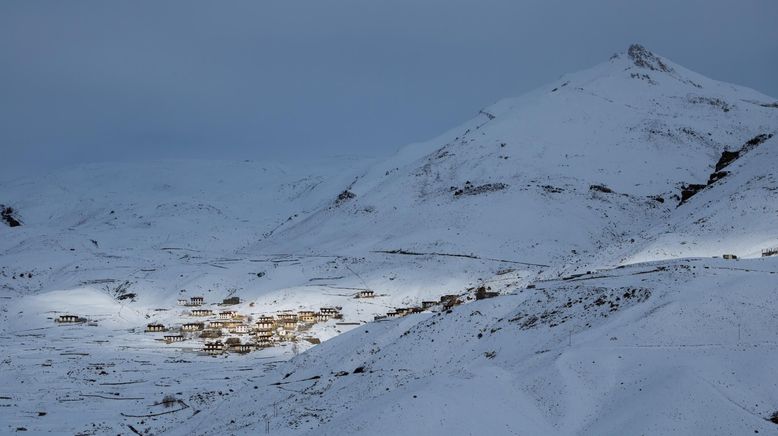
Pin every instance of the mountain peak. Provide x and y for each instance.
(644, 58)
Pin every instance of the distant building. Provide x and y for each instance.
(402, 311)
(287, 316)
(216, 347)
(449, 301)
(192, 327)
(264, 334)
(729, 256)
(240, 329)
(211, 334)
(329, 311)
(484, 292)
(767, 252)
(173, 338)
(69, 318)
(366, 294)
(183, 302)
(229, 314)
(240, 348)
(428, 304)
(307, 316)
(264, 343)
(155, 328)
(202, 312)
(196, 301)
(216, 324)
(264, 325)
(231, 300)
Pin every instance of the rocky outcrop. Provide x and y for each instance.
(7, 216)
(727, 157)
(643, 58)
(344, 196)
(470, 189)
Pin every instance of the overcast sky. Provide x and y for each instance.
(84, 81)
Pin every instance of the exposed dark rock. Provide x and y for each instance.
(756, 140)
(7, 216)
(688, 191)
(470, 189)
(643, 58)
(645, 77)
(601, 188)
(345, 196)
(658, 198)
(484, 292)
(552, 189)
(727, 157)
(231, 300)
(718, 175)
(715, 102)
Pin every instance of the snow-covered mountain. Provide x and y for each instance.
(594, 205)
(508, 183)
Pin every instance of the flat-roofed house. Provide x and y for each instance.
(240, 329)
(428, 304)
(154, 327)
(265, 325)
(192, 326)
(240, 348)
(216, 347)
(264, 334)
(329, 311)
(216, 324)
(307, 316)
(264, 343)
(767, 252)
(228, 314)
(287, 316)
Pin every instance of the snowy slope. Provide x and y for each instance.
(737, 214)
(636, 124)
(679, 347)
(573, 188)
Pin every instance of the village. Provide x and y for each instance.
(228, 331)
(222, 330)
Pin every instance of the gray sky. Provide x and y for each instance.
(102, 80)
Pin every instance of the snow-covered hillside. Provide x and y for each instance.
(593, 206)
(677, 347)
(508, 183)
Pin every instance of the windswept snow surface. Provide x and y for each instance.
(616, 314)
